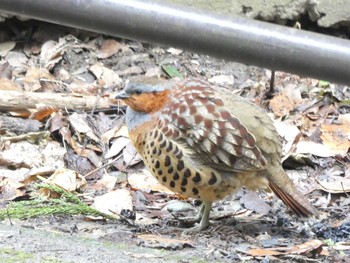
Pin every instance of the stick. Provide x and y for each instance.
(16, 100)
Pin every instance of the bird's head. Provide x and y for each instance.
(145, 96)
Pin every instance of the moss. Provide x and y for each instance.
(67, 204)
(8, 255)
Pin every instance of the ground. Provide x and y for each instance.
(312, 116)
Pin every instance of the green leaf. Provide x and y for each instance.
(323, 83)
(172, 71)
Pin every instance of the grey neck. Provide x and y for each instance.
(135, 118)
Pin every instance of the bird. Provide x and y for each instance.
(204, 142)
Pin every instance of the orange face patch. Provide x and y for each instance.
(147, 102)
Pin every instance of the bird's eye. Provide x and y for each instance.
(138, 92)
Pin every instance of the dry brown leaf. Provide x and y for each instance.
(286, 100)
(57, 122)
(308, 246)
(105, 76)
(33, 77)
(85, 152)
(11, 189)
(337, 187)
(6, 84)
(154, 241)
(336, 137)
(51, 53)
(107, 182)
(67, 179)
(80, 124)
(42, 111)
(145, 181)
(260, 252)
(281, 105)
(110, 47)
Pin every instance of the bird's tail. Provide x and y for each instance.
(285, 189)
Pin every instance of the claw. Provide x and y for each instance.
(202, 217)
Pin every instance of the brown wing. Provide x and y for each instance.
(198, 119)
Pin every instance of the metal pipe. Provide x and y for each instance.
(232, 38)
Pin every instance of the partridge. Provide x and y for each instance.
(205, 142)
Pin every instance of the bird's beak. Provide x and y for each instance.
(122, 95)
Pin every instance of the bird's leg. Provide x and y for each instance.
(202, 217)
(194, 219)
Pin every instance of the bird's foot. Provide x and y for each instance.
(202, 218)
(191, 220)
(202, 225)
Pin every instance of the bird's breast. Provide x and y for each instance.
(174, 167)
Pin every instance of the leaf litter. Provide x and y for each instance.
(86, 152)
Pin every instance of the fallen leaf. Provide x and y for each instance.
(281, 105)
(80, 124)
(174, 51)
(290, 134)
(118, 145)
(51, 53)
(286, 100)
(107, 182)
(105, 76)
(153, 72)
(6, 84)
(306, 247)
(33, 77)
(154, 241)
(342, 246)
(114, 202)
(223, 80)
(172, 71)
(123, 131)
(145, 181)
(11, 189)
(341, 186)
(133, 70)
(252, 201)
(111, 47)
(130, 155)
(316, 149)
(6, 47)
(175, 206)
(42, 111)
(67, 179)
(336, 137)
(17, 59)
(309, 246)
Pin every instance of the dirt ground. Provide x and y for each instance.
(79, 63)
